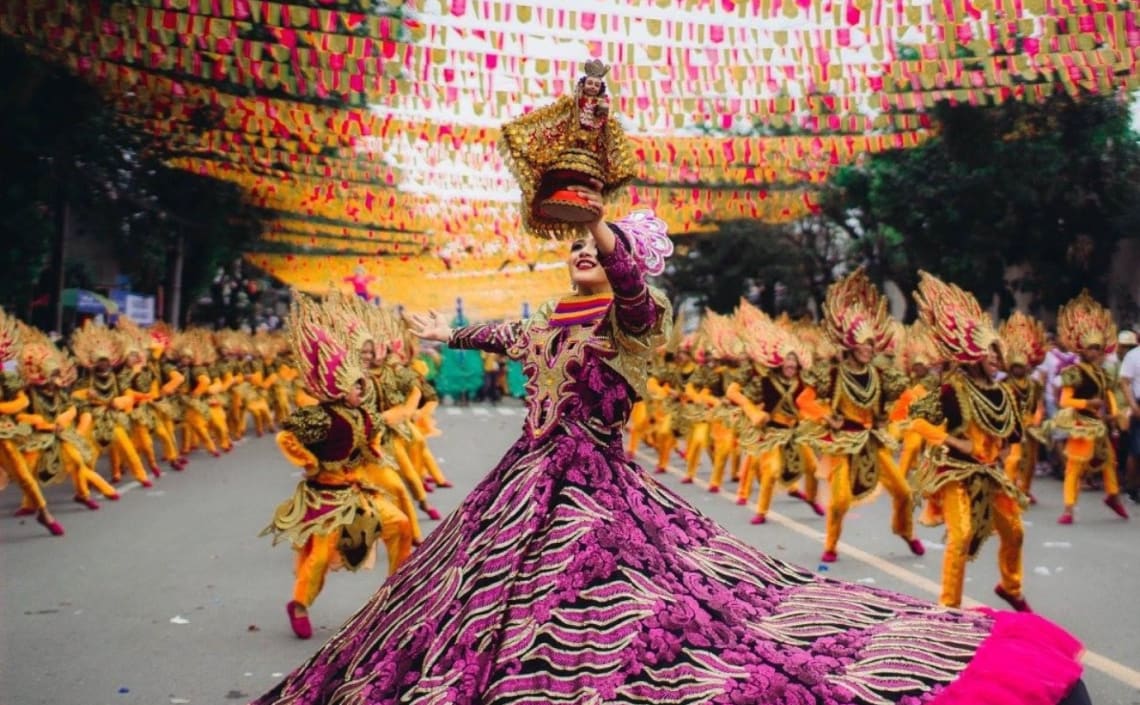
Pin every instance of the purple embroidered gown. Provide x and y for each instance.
(569, 575)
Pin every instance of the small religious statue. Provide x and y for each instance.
(573, 141)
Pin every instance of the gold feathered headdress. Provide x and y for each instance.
(39, 362)
(94, 342)
(320, 340)
(1023, 340)
(767, 342)
(133, 339)
(721, 337)
(855, 313)
(9, 337)
(1083, 322)
(919, 346)
(962, 330)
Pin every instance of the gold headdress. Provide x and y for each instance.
(1083, 322)
(1023, 340)
(94, 342)
(38, 362)
(855, 313)
(919, 346)
(160, 336)
(319, 338)
(596, 69)
(9, 337)
(766, 342)
(134, 340)
(721, 337)
(962, 330)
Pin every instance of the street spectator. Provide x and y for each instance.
(1130, 387)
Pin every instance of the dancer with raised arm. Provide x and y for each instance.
(569, 575)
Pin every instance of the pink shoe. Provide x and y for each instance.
(87, 502)
(714, 489)
(1114, 504)
(300, 622)
(1032, 499)
(660, 470)
(1017, 603)
(146, 483)
(24, 512)
(915, 546)
(432, 513)
(114, 496)
(686, 480)
(818, 509)
(1065, 519)
(741, 501)
(829, 557)
(54, 527)
(156, 471)
(758, 520)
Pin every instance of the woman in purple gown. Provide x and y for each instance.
(569, 575)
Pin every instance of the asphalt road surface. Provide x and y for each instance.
(170, 597)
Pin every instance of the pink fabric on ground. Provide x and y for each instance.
(1026, 660)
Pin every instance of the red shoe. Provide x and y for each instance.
(1065, 519)
(660, 470)
(446, 484)
(817, 508)
(154, 470)
(87, 502)
(24, 512)
(1032, 499)
(1114, 504)
(432, 513)
(227, 449)
(1017, 603)
(915, 546)
(829, 557)
(300, 622)
(428, 487)
(146, 483)
(686, 480)
(114, 496)
(53, 526)
(216, 454)
(713, 489)
(758, 520)
(741, 501)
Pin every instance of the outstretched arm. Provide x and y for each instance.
(493, 338)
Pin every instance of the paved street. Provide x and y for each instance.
(169, 596)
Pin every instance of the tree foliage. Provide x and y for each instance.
(1051, 188)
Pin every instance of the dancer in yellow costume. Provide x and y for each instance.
(165, 405)
(847, 403)
(1023, 347)
(137, 380)
(100, 351)
(774, 452)
(56, 447)
(724, 417)
(969, 423)
(1088, 404)
(921, 360)
(335, 515)
(401, 361)
(700, 395)
(15, 434)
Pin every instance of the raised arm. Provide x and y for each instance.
(634, 308)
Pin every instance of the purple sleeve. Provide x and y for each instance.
(489, 337)
(635, 308)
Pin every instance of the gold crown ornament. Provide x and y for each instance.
(321, 344)
(961, 329)
(919, 346)
(1083, 323)
(574, 141)
(1023, 340)
(855, 313)
(9, 337)
(95, 342)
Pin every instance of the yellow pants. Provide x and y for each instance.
(772, 462)
(140, 437)
(13, 462)
(892, 480)
(164, 429)
(196, 431)
(663, 440)
(387, 479)
(723, 448)
(262, 419)
(315, 557)
(216, 422)
(407, 469)
(955, 501)
(423, 459)
(123, 450)
(1079, 453)
(639, 426)
(911, 446)
(82, 477)
(697, 444)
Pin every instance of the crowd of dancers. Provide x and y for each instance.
(945, 414)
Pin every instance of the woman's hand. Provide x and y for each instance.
(430, 326)
(604, 238)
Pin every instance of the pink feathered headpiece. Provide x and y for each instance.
(648, 239)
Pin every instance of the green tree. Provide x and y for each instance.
(1051, 187)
